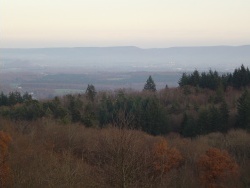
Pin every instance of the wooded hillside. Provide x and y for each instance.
(195, 135)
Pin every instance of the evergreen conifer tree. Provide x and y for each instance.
(150, 85)
(243, 118)
(91, 92)
(224, 112)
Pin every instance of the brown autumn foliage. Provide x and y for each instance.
(165, 157)
(167, 162)
(5, 140)
(45, 153)
(216, 167)
(121, 158)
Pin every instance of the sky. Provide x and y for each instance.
(141, 23)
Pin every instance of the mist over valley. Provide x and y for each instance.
(47, 72)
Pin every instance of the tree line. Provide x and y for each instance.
(14, 98)
(150, 110)
(213, 80)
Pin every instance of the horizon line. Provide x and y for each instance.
(126, 46)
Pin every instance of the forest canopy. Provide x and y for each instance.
(191, 136)
(201, 105)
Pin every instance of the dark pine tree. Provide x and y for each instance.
(243, 107)
(150, 85)
(90, 92)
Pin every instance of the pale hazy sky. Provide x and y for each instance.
(142, 23)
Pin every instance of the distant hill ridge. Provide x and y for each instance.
(172, 58)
